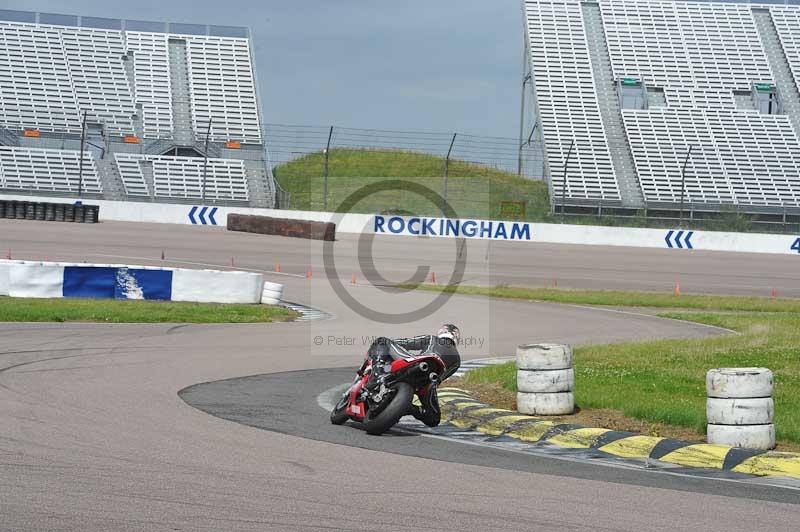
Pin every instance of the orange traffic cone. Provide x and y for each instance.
(353, 279)
(677, 288)
(309, 274)
(277, 267)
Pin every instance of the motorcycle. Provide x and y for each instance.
(391, 398)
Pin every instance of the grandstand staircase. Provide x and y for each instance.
(260, 191)
(183, 127)
(610, 112)
(110, 180)
(8, 138)
(787, 88)
(147, 173)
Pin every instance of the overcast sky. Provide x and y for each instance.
(429, 65)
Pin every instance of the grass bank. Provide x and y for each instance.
(120, 311)
(474, 191)
(617, 298)
(662, 382)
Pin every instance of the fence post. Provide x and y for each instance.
(325, 180)
(564, 184)
(80, 161)
(205, 162)
(683, 182)
(447, 164)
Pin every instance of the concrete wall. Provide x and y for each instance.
(440, 228)
(55, 280)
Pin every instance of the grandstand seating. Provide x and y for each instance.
(567, 101)
(130, 170)
(708, 62)
(35, 84)
(51, 74)
(182, 177)
(223, 89)
(98, 77)
(32, 169)
(149, 91)
(684, 43)
(152, 82)
(787, 22)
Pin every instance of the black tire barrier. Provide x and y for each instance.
(43, 211)
(90, 214)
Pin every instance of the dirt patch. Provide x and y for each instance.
(500, 397)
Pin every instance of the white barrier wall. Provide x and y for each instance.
(463, 228)
(36, 279)
(55, 280)
(210, 286)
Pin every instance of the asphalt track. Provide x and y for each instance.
(95, 437)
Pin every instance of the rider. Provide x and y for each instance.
(444, 344)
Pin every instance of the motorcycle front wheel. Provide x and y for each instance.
(339, 412)
(392, 412)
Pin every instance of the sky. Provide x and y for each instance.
(422, 65)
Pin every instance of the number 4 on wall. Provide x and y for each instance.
(796, 246)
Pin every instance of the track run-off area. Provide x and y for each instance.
(96, 437)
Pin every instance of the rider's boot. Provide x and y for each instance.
(375, 374)
(379, 353)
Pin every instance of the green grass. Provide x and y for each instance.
(663, 381)
(119, 311)
(472, 190)
(615, 298)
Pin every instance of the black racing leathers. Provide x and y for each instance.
(384, 350)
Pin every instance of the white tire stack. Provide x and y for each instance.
(545, 380)
(272, 293)
(740, 408)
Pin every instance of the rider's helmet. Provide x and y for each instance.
(448, 331)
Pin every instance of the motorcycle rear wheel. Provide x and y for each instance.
(391, 413)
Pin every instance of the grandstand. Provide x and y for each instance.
(165, 112)
(641, 89)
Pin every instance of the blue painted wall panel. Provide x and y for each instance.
(89, 281)
(134, 283)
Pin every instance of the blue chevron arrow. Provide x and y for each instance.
(677, 237)
(203, 214)
(211, 216)
(687, 239)
(191, 215)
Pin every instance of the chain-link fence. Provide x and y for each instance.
(319, 167)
